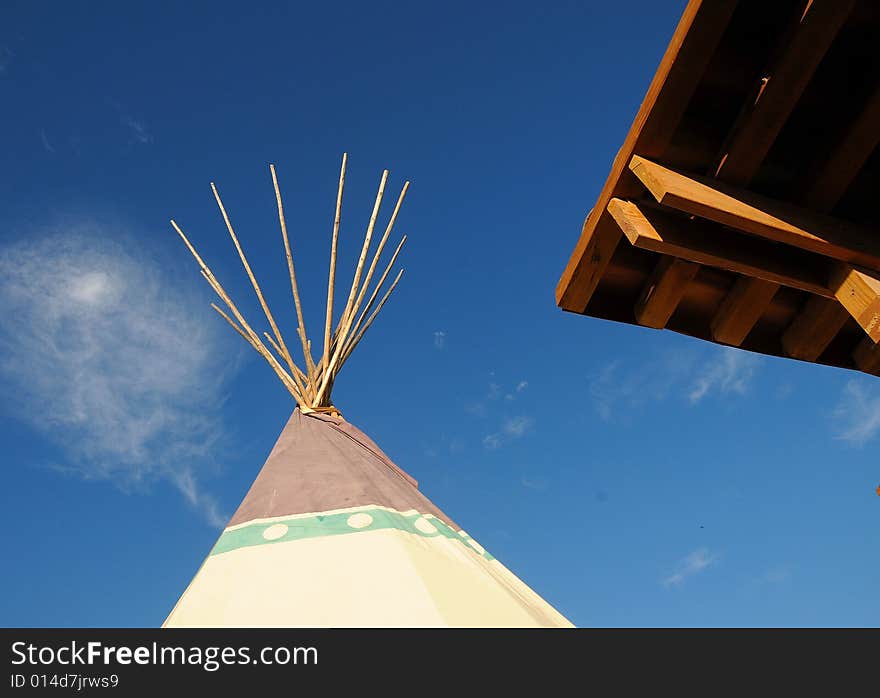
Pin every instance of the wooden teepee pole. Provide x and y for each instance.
(325, 361)
(306, 347)
(357, 338)
(379, 285)
(378, 254)
(311, 388)
(345, 320)
(251, 335)
(293, 385)
(247, 267)
(285, 379)
(298, 373)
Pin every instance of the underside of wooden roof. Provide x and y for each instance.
(744, 204)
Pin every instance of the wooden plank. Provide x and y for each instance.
(867, 356)
(858, 290)
(813, 329)
(706, 243)
(741, 309)
(837, 174)
(760, 215)
(595, 248)
(782, 84)
(847, 158)
(682, 66)
(663, 291)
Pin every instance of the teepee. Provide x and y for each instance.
(332, 533)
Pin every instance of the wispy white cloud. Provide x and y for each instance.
(104, 354)
(480, 408)
(538, 484)
(439, 339)
(511, 429)
(858, 413)
(729, 371)
(138, 130)
(443, 446)
(44, 139)
(516, 427)
(495, 391)
(492, 441)
(6, 56)
(696, 562)
(784, 391)
(522, 385)
(477, 409)
(619, 389)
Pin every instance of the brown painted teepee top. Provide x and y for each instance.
(321, 463)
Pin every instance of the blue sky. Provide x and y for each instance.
(632, 477)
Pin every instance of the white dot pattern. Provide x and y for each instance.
(425, 526)
(275, 531)
(360, 520)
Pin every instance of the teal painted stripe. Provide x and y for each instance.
(321, 525)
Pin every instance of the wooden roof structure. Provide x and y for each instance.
(743, 207)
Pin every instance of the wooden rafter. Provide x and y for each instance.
(760, 215)
(781, 84)
(663, 291)
(846, 158)
(867, 356)
(813, 329)
(858, 290)
(690, 49)
(706, 243)
(828, 187)
(758, 126)
(741, 309)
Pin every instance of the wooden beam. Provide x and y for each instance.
(813, 329)
(663, 291)
(847, 158)
(867, 356)
(741, 309)
(782, 84)
(858, 290)
(759, 215)
(599, 238)
(684, 62)
(706, 243)
(834, 178)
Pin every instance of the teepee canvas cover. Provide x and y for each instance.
(332, 533)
